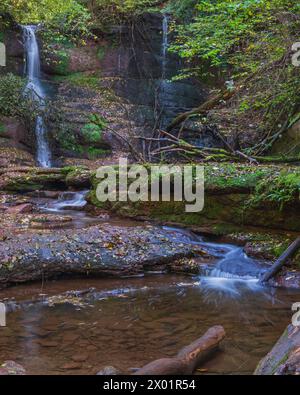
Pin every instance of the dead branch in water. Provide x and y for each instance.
(188, 358)
(292, 249)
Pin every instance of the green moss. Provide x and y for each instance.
(81, 79)
(229, 175)
(101, 53)
(91, 132)
(62, 65)
(226, 209)
(94, 153)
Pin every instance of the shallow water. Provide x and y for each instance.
(127, 323)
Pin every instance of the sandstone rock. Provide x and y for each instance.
(101, 249)
(20, 209)
(48, 343)
(72, 366)
(15, 132)
(80, 357)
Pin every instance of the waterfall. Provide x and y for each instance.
(165, 44)
(35, 89)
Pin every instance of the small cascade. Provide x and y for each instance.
(68, 201)
(234, 269)
(164, 83)
(233, 272)
(35, 89)
(165, 44)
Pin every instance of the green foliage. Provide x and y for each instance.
(92, 133)
(62, 62)
(106, 12)
(12, 100)
(220, 30)
(84, 80)
(94, 153)
(282, 189)
(35, 11)
(69, 27)
(183, 9)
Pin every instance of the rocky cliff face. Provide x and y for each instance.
(124, 76)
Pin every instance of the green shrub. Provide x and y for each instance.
(12, 99)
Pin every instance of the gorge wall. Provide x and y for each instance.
(123, 76)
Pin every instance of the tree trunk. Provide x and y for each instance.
(284, 358)
(189, 357)
(281, 261)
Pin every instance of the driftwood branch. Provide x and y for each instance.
(293, 248)
(189, 357)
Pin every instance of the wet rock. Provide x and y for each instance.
(50, 221)
(72, 366)
(48, 343)
(20, 209)
(98, 250)
(40, 332)
(108, 371)
(80, 357)
(26, 179)
(79, 178)
(16, 133)
(104, 216)
(12, 368)
(70, 337)
(45, 194)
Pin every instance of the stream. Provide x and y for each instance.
(128, 322)
(54, 328)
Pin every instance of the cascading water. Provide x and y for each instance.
(164, 62)
(68, 201)
(233, 271)
(35, 89)
(165, 44)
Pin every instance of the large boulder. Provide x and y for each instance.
(15, 133)
(98, 250)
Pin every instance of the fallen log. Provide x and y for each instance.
(284, 358)
(292, 249)
(188, 358)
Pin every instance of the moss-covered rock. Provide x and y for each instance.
(230, 201)
(24, 179)
(284, 357)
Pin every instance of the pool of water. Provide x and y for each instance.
(128, 323)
